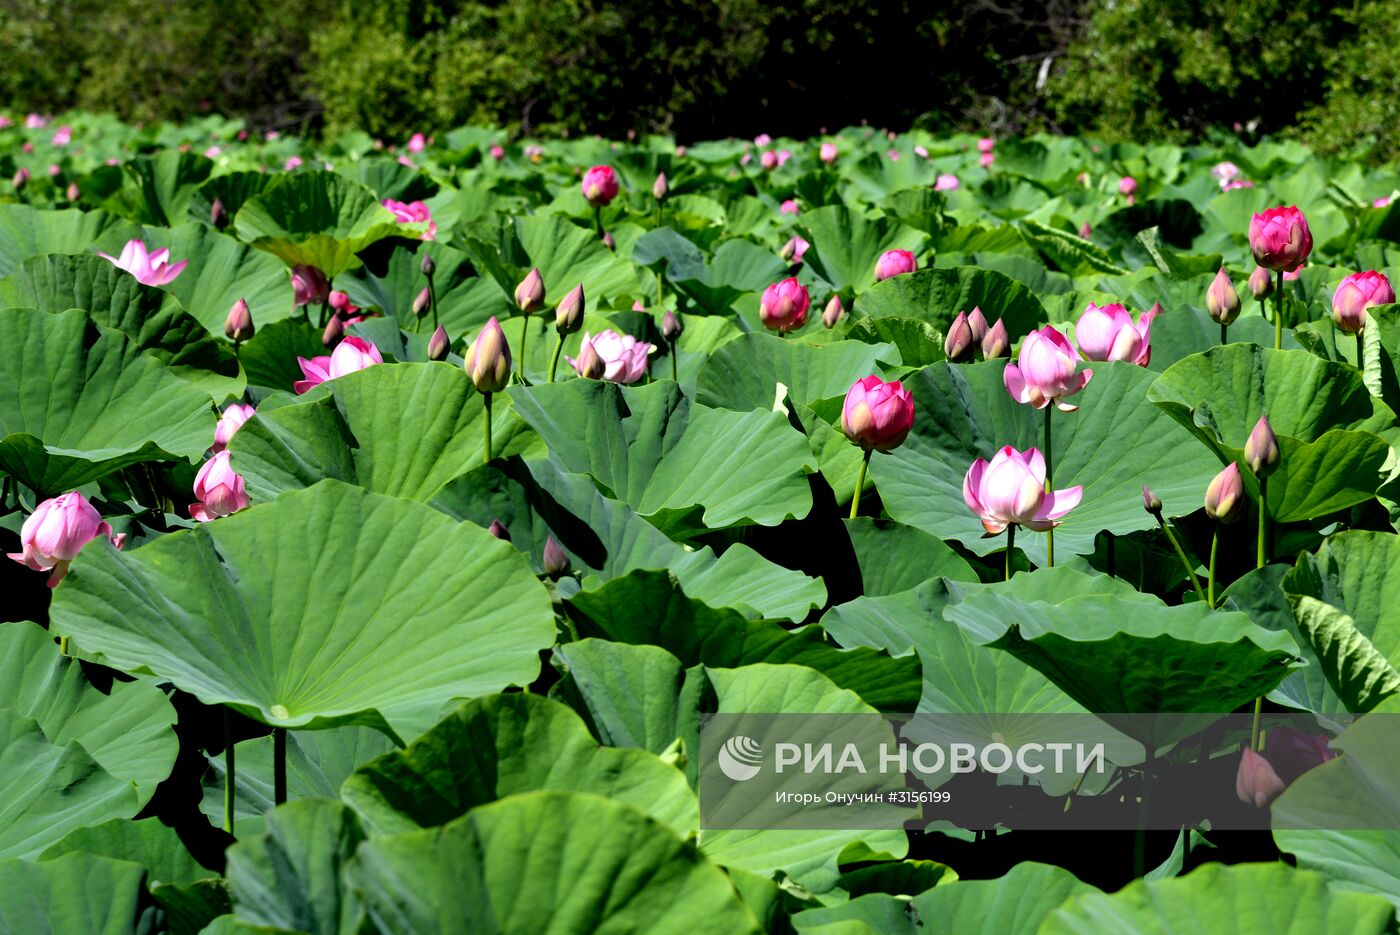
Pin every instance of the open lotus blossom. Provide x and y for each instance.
(828, 153)
(309, 286)
(1355, 294)
(350, 355)
(762, 140)
(229, 423)
(413, 212)
(1045, 371)
(1108, 333)
(219, 490)
(63, 137)
(1225, 172)
(789, 207)
(895, 263)
(946, 183)
(1010, 490)
(57, 530)
(149, 268)
(877, 415)
(624, 357)
(1280, 238)
(783, 306)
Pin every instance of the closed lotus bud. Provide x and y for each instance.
(958, 345)
(239, 324)
(335, 330)
(498, 530)
(1355, 294)
(529, 295)
(1256, 782)
(608, 240)
(439, 344)
(877, 415)
(977, 322)
(309, 286)
(671, 326)
(487, 361)
(589, 365)
(427, 266)
(218, 215)
(73, 192)
(1261, 283)
(421, 302)
(1225, 496)
(895, 263)
(997, 343)
(1086, 231)
(556, 560)
(833, 312)
(1222, 301)
(660, 187)
(1261, 450)
(568, 317)
(1280, 238)
(21, 179)
(783, 305)
(1150, 501)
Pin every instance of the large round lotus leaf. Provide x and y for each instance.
(567, 255)
(77, 403)
(26, 231)
(845, 245)
(77, 894)
(937, 295)
(165, 183)
(318, 219)
(327, 606)
(501, 745)
(1112, 445)
(128, 731)
(545, 862)
(745, 373)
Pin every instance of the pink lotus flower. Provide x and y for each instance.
(744, 160)
(768, 159)
(1108, 333)
(535, 152)
(624, 357)
(789, 207)
(213, 152)
(405, 161)
(63, 137)
(229, 423)
(600, 186)
(1237, 183)
(921, 152)
(1010, 490)
(783, 306)
(57, 530)
(1044, 371)
(946, 183)
(1127, 185)
(1225, 172)
(417, 143)
(1381, 202)
(783, 156)
(27, 147)
(877, 415)
(498, 152)
(894, 263)
(5, 122)
(794, 249)
(309, 286)
(1355, 294)
(1280, 238)
(219, 490)
(271, 135)
(762, 140)
(985, 144)
(350, 355)
(893, 155)
(151, 269)
(1256, 783)
(986, 160)
(413, 212)
(293, 162)
(55, 170)
(35, 122)
(828, 153)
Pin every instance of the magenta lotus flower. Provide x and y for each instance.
(894, 263)
(762, 140)
(893, 155)
(35, 122)
(624, 357)
(417, 143)
(218, 489)
(1044, 371)
(1280, 238)
(1381, 202)
(57, 530)
(789, 207)
(1010, 491)
(828, 153)
(1127, 185)
(1355, 294)
(877, 415)
(1108, 333)
(229, 423)
(295, 162)
(946, 183)
(783, 306)
(351, 355)
(63, 137)
(309, 286)
(768, 159)
(151, 269)
(600, 186)
(985, 144)
(413, 212)
(794, 249)
(498, 152)
(1225, 172)
(986, 160)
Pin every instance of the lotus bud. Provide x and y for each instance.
(499, 531)
(1225, 496)
(439, 344)
(556, 560)
(671, 327)
(73, 192)
(427, 266)
(834, 312)
(589, 365)
(996, 343)
(309, 286)
(529, 295)
(1150, 501)
(218, 215)
(1085, 231)
(1357, 293)
(487, 361)
(568, 317)
(660, 187)
(1261, 450)
(958, 345)
(239, 324)
(1261, 283)
(335, 330)
(21, 179)
(57, 530)
(1280, 238)
(977, 322)
(1222, 301)
(422, 302)
(1256, 782)
(608, 240)
(877, 415)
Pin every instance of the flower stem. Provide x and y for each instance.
(1360, 353)
(554, 361)
(279, 765)
(860, 482)
(1181, 553)
(1224, 333)
(674, 378)
(1278, 315)
(63, 644)
(432, 300)
(598, 219)
(1010, 546)
(1263, 524)
(1049, 533)
(486, 429)
(229, 772)
(1254, 731)
(524, 332)
(1214, 547)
